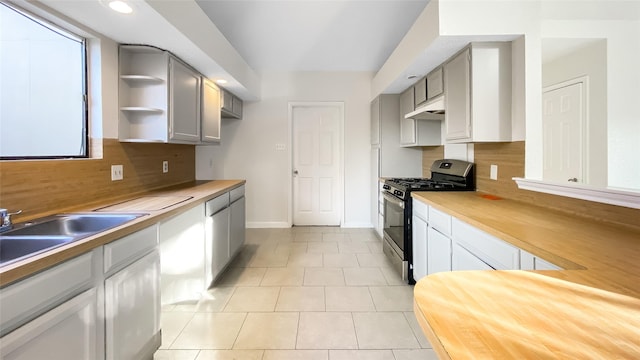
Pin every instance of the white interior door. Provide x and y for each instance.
(563, 119)
(316, 164)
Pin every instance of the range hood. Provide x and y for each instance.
(432, 110)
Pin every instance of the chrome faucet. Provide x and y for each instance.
(5, 219)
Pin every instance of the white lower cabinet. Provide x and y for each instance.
(182, 256)
(55, 314)
(419, 243)
(463, 259)
(438, 252)
(442, 242)
(493, 251)
(132, 310)
(104, 304)
(69, 331)
(529, 261)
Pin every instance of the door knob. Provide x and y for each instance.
(295, 172)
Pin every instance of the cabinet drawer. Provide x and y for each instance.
(236, 193)
(420, 210)
(439, 220)
(35, 295)
(216, 204)
(122, 252)
(493, 251)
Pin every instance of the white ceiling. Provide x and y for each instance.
(312, 35)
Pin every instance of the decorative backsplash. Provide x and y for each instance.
(42, 187)
(510, 160)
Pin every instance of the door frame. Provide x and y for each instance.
(585, 135)
(340, 106)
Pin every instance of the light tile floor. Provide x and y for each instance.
(302, 293)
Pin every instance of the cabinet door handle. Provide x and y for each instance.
(573, 180)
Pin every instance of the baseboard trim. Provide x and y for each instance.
(267, 225)
(283, 224)
(357, 225)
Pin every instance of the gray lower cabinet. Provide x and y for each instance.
(225, 228)
(217, 230)
(237, 222)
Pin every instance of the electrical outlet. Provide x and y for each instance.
(117, 173)
(494, 172)
(165, 166)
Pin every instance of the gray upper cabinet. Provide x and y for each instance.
(407, 126)
(375, 121)
(159, 97)
(478, 94)
(416, 132)
(420, 92)
(184, 98)
(458, 104)
(231, 105)
(210, 111)
(435, 83)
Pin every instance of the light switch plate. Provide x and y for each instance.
(117, 173)
(494, 172)
(281, 147)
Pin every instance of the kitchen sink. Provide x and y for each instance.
(73, 224)
(31, 238)
(15, 247)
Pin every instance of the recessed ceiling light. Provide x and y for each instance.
(120, 6)
(221, 81)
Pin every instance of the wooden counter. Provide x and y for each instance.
(177, 199)
(589, 311)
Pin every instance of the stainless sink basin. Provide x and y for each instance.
(73, 224)
(15, 247)
(31, 238)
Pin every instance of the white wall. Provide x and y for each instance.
(589, 61)
(623, 87)
(248, 147)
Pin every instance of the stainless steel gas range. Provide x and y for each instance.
(446, 175)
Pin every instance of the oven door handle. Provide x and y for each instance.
(394, 200)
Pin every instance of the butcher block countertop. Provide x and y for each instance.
(590, 310)
(159, 205)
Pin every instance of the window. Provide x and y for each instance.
(43, 111)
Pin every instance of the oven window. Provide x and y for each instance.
(394, 223)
